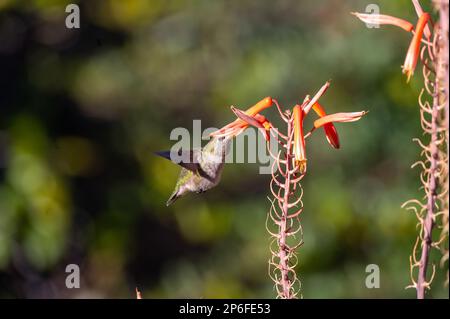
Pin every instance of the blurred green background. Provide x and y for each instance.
(82, 109)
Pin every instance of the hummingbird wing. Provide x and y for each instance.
(189, 160)
(186, 159)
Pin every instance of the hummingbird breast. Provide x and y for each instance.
(200, 184)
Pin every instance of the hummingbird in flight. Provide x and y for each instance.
(201, 168)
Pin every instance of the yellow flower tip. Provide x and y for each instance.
(409, 72)
(409, 77)
(301, 164)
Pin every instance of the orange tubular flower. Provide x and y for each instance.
(384, 19)
(239, 125)
(259, 121)
(329, 128)
(339, 117)
(414, 47)
(299, 139)
(421, 27)
(258, 107)
(311, 102)
(419, 12)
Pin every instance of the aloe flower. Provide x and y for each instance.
(419, 12)
(299, 139)
(413, 53)
(329, 128)
(310, 102)
(339, 117)
(326, 121)
(379, 19)
(414, 48)
(246, 118)
(259, 121)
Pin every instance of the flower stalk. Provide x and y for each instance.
(288, 169)
(287, 196)
(432, 211)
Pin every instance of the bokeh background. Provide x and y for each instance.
(83, 109)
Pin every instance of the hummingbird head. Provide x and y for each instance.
(222, 145)
(217, 148)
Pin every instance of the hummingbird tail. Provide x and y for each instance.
(173, 198)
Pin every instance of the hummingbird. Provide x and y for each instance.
(201, 168)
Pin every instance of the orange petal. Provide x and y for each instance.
(332, 135)
(339, 117)
(419, 12)
(252, 121)
(258, 107)
(228, 128)
(232, 130)
(414, 47)
(316, 97)
(299, 139)
(264, 121)
(372, 18)
(260, 118)
(329, 128)
(319, 109)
